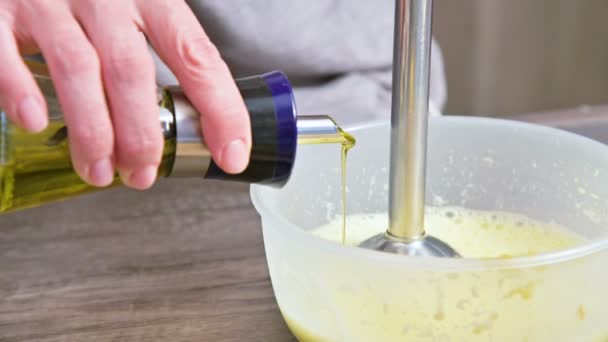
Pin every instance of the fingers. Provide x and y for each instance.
(128, 73)
(112, 53)
(20, 96)
(181, 42)
(75, 69)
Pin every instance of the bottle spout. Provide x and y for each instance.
(322, 129)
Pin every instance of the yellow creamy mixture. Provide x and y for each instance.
(450, 316)
(474, 234)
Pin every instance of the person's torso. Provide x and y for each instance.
(306, 39)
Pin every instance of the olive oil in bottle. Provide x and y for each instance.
(36, 168)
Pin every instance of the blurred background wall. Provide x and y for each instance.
(516, 56)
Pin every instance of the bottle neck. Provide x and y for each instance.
(180, 123)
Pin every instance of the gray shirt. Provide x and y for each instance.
(337, 54)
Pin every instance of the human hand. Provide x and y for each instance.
(98, 58)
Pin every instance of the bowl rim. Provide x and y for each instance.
(289, 230)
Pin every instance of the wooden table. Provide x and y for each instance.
(182, 262)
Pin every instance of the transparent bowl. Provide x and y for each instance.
(330, 292)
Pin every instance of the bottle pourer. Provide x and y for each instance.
(276, 130)
(409, 125)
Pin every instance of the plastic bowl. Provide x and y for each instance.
(330, 292)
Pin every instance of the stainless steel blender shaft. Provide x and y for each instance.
(411, 77)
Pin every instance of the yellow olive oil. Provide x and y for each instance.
(350, 142)
(37, 169)
(347, 141)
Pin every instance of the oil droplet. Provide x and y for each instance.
(505, 256)
(486, 326)
(581, 313)
(525, 292)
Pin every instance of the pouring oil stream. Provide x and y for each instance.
(323, 130)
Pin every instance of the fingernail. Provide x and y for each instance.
(101, 172)
(31, 114)
(235, 156)
(143, 178)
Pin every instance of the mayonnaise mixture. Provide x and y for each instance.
(474, 234)
(474, 306)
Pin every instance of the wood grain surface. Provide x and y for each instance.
(181, 262)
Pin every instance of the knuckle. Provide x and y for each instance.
(95, 140)
(124, 64)
(143, 150)
(70, 55)
(197, 54)
(95, 8)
